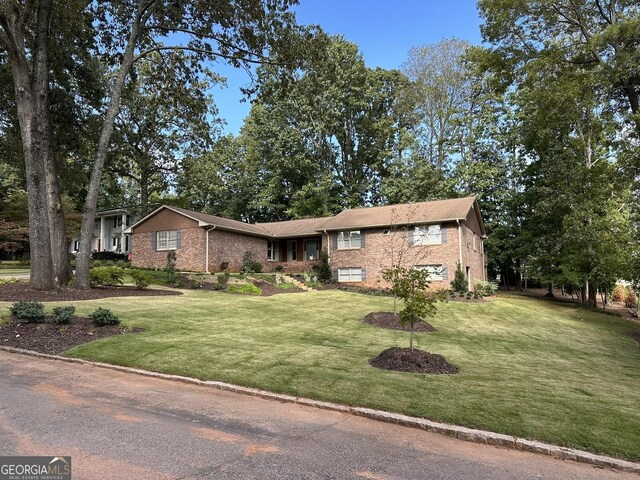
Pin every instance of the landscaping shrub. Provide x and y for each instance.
(7, 281)
(324, 269)
(485, 289)
(618, 294)
(171, 267)
(30, 312)
(459, 283)
(247, 289)
(108, 256)
(63, 315)
(223, 278)
(279, 268)
(106, 276)
(141, 278)
(218, 287)
(631, 300)
(103, 316)
(249, 265)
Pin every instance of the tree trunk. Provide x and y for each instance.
(518, 275)
(88, 219)
(31, 86)
(411, 339)
(593, 297)
(57, 230)
(144, 194)
(550, 291)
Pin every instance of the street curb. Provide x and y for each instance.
(461, 433)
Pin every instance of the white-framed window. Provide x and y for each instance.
(436, 272)
(427, 235)
(76, 245)
(349, 274)
(167, 240)
(272, 250)
(349, 239)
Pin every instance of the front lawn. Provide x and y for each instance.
(528, 367)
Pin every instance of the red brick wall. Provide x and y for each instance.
(189, 257)
(230, 247)
(382, 251)
(472, 257)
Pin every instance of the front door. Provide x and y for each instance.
(311, 250)
(292, 250)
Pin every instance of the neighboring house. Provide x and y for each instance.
(361, 242)
(108, 233)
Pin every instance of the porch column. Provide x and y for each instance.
(122, 227)
(101, 234)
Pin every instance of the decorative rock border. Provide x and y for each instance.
(461, 433)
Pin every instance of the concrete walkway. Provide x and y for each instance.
(121, 425)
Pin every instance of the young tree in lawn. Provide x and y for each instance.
(399, 252)
(412, 286)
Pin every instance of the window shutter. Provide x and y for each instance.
(411, 235)
(443, 235)
(364, 274)
(334, 274)
(361, 239)
(154, 241)
(178, 238)
(334, 240)
(445, 272)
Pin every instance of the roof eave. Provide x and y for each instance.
(380, 225)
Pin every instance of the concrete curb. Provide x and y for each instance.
(461, 433)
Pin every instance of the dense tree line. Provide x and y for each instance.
(541, 124)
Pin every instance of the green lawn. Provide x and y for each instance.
(528, 367)
(7, 272)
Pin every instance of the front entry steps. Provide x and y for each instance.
(297, 283)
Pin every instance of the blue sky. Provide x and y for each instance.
(384, 31)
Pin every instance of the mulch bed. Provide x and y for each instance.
(418, 361)
(21, 291)
(269, 289)
(53, 339)
(392, 320)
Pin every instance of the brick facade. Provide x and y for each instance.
(189, 255)
(230, 247)
(382, 247)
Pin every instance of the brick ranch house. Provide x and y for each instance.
(361, 242)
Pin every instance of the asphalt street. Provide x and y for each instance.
(119, 425)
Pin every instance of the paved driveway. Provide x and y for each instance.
(123, 426)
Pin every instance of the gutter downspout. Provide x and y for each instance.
(206, 250)
(328, 246)
(460, 241)
(484, 265)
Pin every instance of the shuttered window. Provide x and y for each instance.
(350, 275)
(427, 235)
(436, 272)
(167, 240)
(349, 239)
